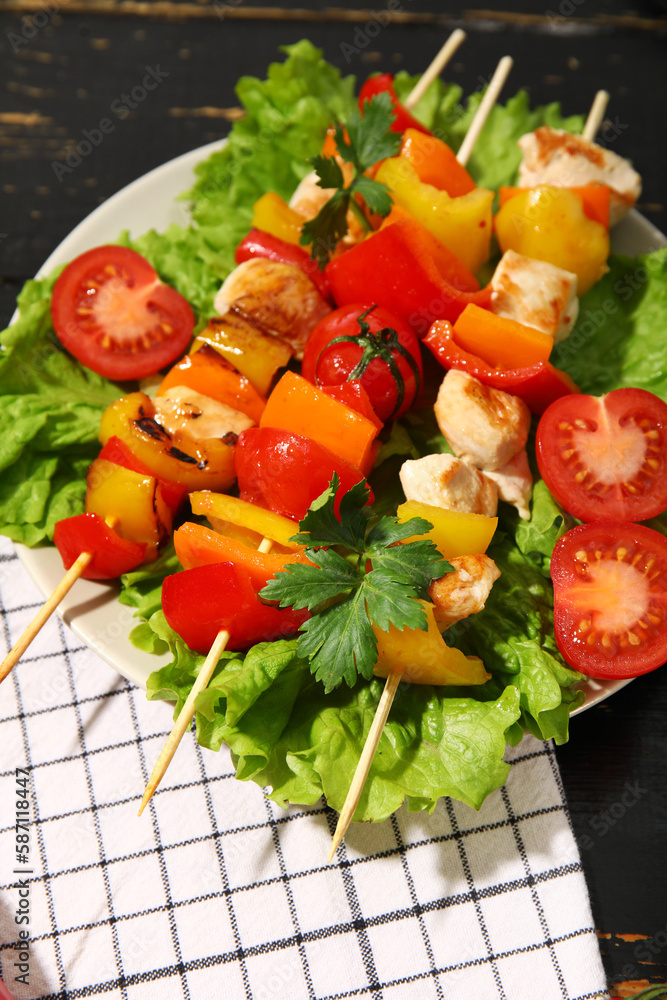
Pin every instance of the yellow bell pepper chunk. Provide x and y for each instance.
(454, 532)
(549, 223)
(254, 353)
(273, 215)
(257, 522)
(424, 657)
(464, 224)
(205, 463)
(134, 499)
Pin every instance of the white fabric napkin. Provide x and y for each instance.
(215, 892)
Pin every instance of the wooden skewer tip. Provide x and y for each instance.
(365, 761)
(435, 68)
(595, 115)
(491, 95)
(184, 717)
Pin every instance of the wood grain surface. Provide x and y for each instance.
(65, 64)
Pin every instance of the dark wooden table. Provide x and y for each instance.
(64, 62)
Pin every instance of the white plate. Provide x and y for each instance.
(91, 609)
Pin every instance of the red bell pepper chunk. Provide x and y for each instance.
(198, 603)
(260, 244)
(117, 451)
(112, 555)
(354, 395)
(538, 385)
(286, 472)
(383, 83)
(406, 270)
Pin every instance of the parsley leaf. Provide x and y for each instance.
(361, 578)
(363, 141)
(370, 138)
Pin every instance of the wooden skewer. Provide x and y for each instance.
(185, 715)
(44, 613)
(394, 679)
(184, 719)
(595, 115)
(490, 97)
(47, 609)
(365, 761)
(433, 71)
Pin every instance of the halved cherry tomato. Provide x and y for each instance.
(371, 345)
(610, 598)
(286, 472)
(112, 555)
(198, 603)
(112, 312)
(604, 458)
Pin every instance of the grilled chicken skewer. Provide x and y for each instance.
(394, 679)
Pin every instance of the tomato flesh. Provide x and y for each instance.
(198, 603)
(112, 312)
(610, 598)
(605, 458)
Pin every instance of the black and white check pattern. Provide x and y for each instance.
(215, 892)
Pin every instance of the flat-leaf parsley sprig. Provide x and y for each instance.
(361, 578)
(363, 142)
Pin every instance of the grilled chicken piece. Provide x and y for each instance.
(309, 198)
(484, 426)
(182, 411)
(278, 298)
(536, 294)
(465, 591)
(445, 481)
(561, 159)
(515, 483)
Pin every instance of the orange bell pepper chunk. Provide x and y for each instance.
(210, 374)
(272, 214)
(595, 200)
(500, 342)
(197, 545)
(297, 406)
(436, 163)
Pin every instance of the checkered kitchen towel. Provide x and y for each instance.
(217, 893)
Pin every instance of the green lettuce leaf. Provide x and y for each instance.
(286, 733)
(50, 410)
(619, 336)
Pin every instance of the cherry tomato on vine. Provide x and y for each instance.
(605, 457)
(610, 598)
(371, 345)
(112, 312)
